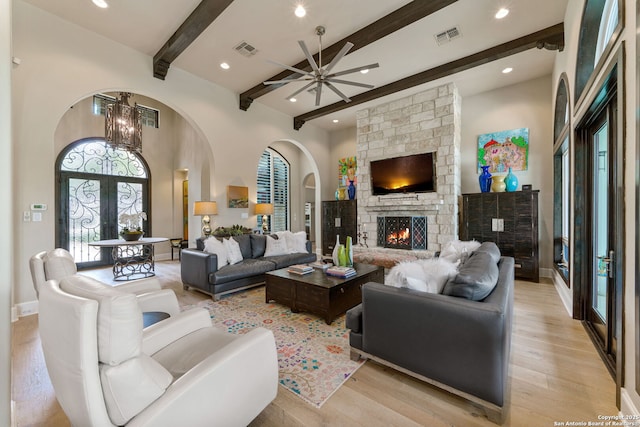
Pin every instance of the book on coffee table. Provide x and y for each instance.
(343, 272)
(320, 265)
(300, 269)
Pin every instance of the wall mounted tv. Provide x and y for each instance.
(408, 174)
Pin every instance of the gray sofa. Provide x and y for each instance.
(199, 269)
(456, 343)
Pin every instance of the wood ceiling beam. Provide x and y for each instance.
(551, 38)
(201, 17)
(396, 20)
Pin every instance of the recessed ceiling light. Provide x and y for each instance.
(225, 66)
(507, 70)
(502, 13)
(365, 71)
(292, 99)
(300, 11)
(335, 120)
(100, 3)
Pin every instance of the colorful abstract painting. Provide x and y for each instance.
(237, 197)
(503, 150)
(347, 169)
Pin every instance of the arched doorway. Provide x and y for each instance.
(95, 185)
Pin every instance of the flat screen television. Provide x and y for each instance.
(408, 174)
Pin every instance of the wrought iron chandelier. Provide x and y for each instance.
(123, 125)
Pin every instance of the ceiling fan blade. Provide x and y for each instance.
(346, 82)
(353, 70)
(340, 94)
(295, 70)
(301, 89)
(285, 81)
(309, 57)
(318, 93)
(346, 48)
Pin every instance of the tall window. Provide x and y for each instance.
(604, 16)
(97, 184)
(273, 187)
(561, 183)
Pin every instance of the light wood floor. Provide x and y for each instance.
(556, 376)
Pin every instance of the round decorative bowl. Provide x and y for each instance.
(132, 236)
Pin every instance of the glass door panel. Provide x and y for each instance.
(601, 286)
(84, 203)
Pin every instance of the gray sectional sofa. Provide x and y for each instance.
(454, 342)
(199, 269)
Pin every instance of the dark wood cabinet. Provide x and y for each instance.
(339, 217)
(508, 219)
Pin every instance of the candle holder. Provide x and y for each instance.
(362, 237)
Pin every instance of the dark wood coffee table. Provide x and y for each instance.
(319, 293)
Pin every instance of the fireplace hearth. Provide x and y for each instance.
(402, 232)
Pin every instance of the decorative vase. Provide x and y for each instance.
(511, 181)
(131, 236)
(342, 256)
(498, 185)
(338, 193)
(351, 189)
(334, 254)
(485, 179)
(342, 193)
(349, 252)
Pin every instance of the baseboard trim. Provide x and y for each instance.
(27, 308)
(564, 293)
(546, 272)
(14, 314)
(627, 407)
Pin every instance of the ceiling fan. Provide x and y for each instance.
(320, 75)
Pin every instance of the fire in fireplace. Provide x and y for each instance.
(402, 232)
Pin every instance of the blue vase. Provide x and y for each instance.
(511, 181)
(351, 189)
(485, 179)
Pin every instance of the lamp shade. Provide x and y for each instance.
(264, 209)
(205, 208)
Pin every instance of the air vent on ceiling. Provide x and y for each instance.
(245, 49)
(447, 35)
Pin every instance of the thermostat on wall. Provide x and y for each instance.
(38, 207)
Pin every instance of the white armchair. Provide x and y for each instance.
(181, 371)
(59, 263)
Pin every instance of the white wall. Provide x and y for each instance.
(524, 105)
(63, 63)
(6, 214)
(566, 63)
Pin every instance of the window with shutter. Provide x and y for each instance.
(273, 187)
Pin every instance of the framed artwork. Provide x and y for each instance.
(503, 150)
(347, 168)
(237, 197)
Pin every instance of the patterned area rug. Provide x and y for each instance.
(313, 357)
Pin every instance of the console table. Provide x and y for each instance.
(132, 260)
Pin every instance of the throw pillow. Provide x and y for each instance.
(275, 247)
(476, 278)
(400, 273)
(233, 251)
(297, 242)
(458, 250)
(438, 272)
(215, 246)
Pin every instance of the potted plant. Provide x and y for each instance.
(132, 225)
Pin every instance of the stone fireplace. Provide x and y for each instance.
(402, 232)
(428, 121)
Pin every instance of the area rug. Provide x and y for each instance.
(313, 357)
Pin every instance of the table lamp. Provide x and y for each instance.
(264, 209)
(205, 209)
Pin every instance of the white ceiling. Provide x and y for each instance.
(272, 28)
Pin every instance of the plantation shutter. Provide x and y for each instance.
(273, 187)
(280, 195)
